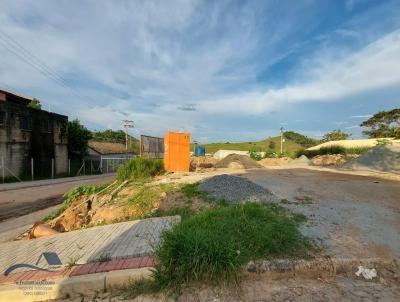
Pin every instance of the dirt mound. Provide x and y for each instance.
(380, 158)
(237, 161)
(267, 162)
(235, 189)
(329, 160)
(202, 162)
(301, 161)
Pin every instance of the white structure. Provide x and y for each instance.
(220, 154)
(353, 143)
(109, 155)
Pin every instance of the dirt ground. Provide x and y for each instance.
(260, 288)
(350, 215)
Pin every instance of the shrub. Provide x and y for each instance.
(140, 168)
(255, 155)
(214, 244)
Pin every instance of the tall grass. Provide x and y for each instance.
(140, 168)
(214, 244)
(332, 150)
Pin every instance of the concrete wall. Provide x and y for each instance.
(30, 133)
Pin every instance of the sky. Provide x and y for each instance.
(221, 70)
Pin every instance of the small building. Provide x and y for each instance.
(108, 155)
(28, 133)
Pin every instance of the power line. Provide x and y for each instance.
(25, 55)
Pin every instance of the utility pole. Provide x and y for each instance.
(281, 140)
(127, 124)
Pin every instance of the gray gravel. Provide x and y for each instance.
(235, 189)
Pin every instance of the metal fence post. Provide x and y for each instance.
(2, 169)
(32, 172)
(52, 168)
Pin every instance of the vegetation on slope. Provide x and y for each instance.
(214, 244)
(140, 168)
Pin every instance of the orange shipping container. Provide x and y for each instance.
(176, 152)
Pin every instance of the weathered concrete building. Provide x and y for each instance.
(27, 133)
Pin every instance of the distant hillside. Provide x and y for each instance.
(289, 146)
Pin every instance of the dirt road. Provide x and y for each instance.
(24, 198)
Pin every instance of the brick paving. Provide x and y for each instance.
(79, 270)
(115, 242)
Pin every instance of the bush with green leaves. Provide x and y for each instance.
(255, 155)
(215, 244)
(140, 168)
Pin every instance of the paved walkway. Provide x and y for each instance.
(111, 242)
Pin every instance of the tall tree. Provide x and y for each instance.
(78, 137)
(335, 135)
(35, 103)
(383, 124)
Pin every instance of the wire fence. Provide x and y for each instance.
(36, 169)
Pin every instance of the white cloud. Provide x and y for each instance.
(361, 116)
(374, 67)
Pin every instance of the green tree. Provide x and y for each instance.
(302, 140)
(78, 137)
(35, 103)
(271, 145)
(383, 124)
(335, 135)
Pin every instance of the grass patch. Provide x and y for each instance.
(71, 196)
(140, 168)
(214, 244)
(332, 150)
(191, 191)
(185, 213)
(143, 201)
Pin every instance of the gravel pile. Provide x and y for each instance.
(301, 161)
(380, 158)
(237, 161)
(235, 189)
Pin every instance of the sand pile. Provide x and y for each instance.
(268, 162)
(235, 189)
(236, 161)
(301, 161)
(329, 160)
(202, 162)
(380, 158)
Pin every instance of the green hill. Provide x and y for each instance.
(289, 146)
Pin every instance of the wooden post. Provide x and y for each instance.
(69, 167)
(52, 168)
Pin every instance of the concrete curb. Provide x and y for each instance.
(42, 290)
(318, 267)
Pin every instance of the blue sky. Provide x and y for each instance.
(222, 70)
